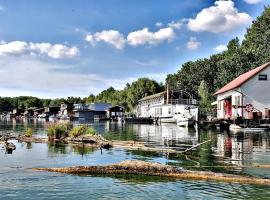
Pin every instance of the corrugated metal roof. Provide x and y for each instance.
(242, 79)
(153, 96)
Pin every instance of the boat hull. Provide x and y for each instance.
(237, 128)
(168, 120)
(186, 123)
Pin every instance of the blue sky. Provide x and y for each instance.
(59, 48)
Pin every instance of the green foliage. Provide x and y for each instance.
(205, 97)
(129, 96)
(58, 130)
(81, 130)
(28, 132)
(90, 99)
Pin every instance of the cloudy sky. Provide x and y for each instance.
(59, 48)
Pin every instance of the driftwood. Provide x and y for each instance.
(156, 169)
(195, 146)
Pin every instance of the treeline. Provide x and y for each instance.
(24, 102)
(128, 97)
(219, 69)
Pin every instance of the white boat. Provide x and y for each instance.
(238, 128)
(170, 119)
(185, 120)
(164, 106)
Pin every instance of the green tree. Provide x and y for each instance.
(205, 97)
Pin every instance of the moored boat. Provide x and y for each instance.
(239, 128)
(185, 120)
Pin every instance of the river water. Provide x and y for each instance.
(17, 181)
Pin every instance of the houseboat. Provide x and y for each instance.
(246, 99)
(93, 111)
(170, 106)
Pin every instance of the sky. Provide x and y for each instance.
(59, 48)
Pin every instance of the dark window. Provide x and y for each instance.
(262, 77)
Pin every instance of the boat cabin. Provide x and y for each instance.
(90, 111)
(114, 112)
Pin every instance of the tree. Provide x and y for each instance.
(90, 99)
(205, 98)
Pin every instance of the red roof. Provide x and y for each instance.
(242, 79)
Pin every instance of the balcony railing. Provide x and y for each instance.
(182, 101)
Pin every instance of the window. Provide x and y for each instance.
(237, 100)
(262, 77)
(169, 111)
(219, 105)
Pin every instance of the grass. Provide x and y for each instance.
(28, 132)
(81, 130)
(59, 130)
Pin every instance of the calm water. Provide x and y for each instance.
(17, 181)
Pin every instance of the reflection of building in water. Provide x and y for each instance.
(240, 147)
(167, 135)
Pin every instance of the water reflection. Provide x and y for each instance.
(241, 146)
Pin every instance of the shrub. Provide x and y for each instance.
(90, 131)
(81, 130)
(28, 132)
(58, 130)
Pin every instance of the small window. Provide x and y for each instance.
(262, 77)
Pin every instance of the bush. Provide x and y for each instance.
(28, 132)
(59, 130)
(81, 130)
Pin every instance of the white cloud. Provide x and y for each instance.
(253, 1)
(222, 17)
(14, 48)
(220, 48)
(159, 24)
(112, 37)
(54, 51)
(193, 44)
(144, 36)
(23, 48)
(175, 24)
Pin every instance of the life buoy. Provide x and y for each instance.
(249, 107)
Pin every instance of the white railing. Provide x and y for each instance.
(183, 101)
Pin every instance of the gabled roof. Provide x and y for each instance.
(242, 79)
(153, 96)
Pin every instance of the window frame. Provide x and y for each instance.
(262, 77)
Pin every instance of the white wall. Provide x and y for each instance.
(257, 92)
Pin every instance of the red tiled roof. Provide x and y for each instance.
(242, 79)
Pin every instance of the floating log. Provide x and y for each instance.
(22, 138)
(156, 169)
(195, 146)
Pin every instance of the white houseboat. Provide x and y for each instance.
(247, 96)
(169, 106)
